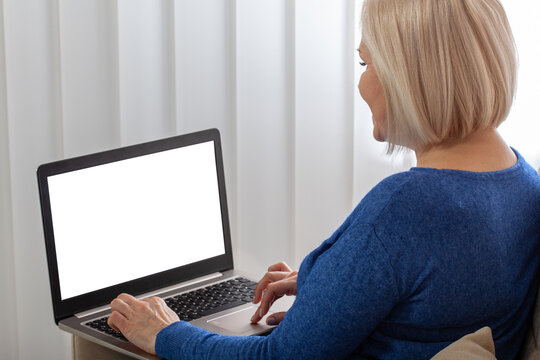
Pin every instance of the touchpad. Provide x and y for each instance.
(239, 321)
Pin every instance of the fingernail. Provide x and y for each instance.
(271, 321)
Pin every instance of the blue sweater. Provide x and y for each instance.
(427, 257)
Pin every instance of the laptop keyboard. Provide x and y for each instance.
(198, 303)
(101, 325)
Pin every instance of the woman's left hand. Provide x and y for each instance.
(278, 281)
(141, 320)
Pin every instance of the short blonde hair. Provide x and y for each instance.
(447, 67)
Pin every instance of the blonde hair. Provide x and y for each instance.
(447, 67)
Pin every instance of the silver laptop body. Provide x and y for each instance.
(149, 220)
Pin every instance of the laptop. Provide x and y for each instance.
(149, 220)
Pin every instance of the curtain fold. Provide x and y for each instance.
(8, 340)
(264, 120)
(88, 33)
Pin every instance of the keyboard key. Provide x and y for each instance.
(222, 307)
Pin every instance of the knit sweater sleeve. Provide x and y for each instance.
(348, 289)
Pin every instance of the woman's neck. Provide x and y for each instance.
(481, 151)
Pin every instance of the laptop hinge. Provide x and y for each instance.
(155, 293)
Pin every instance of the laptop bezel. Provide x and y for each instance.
(67, 307)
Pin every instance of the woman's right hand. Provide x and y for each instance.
(278, 281)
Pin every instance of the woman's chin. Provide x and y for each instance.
(378, 135)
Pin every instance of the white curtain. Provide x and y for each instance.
(277, 78)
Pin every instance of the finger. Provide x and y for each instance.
(155, 300)
(117, 321)
(280, 266)
(275, 291)
(128, 299)
(136, 305)
(286, 286)
(255, 317)
(292, 274)
(259, 314)
(267, 279)
(113, 327)
(268, 298)
(120, 306)
(275, 319)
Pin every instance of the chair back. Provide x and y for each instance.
(531, 347)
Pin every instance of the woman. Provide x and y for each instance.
(430, 254)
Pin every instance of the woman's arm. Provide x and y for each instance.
(348, 291)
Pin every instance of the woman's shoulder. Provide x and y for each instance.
(396, 188)
(423, 189)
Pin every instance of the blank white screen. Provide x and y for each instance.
(128, 219)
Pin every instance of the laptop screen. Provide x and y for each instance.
(135, 217)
